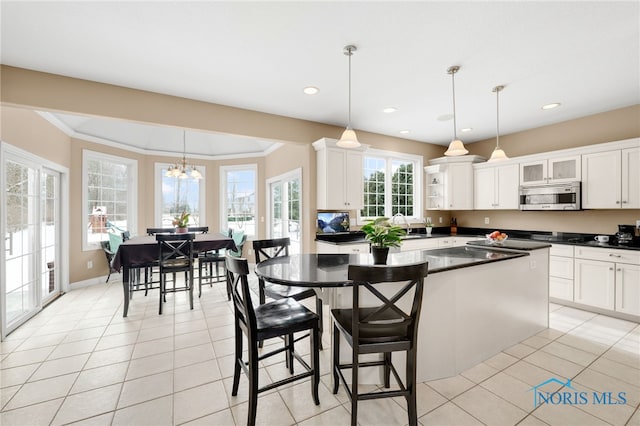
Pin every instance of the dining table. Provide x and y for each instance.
(143, 250)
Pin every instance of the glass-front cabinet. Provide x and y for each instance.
(552, 170)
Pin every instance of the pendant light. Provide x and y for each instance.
(180, 169)
(349, 138)
(498, 154)
(456, 147)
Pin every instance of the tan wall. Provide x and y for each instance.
(29, 131)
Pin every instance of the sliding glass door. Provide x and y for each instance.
(30, 274)
(285, 208)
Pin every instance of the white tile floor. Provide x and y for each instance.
(80, 362)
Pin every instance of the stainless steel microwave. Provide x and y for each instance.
(558, 196)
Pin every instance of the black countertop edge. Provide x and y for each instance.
(501, 255)
(569, 238)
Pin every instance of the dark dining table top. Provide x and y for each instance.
(331, 270)
(144, 249)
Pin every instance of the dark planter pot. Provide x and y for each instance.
(379, 255)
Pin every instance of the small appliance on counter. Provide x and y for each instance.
(626, 235)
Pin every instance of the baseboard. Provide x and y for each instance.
(87, 283)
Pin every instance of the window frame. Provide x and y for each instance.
(223, 195)
(157, 201)
(389, 157)
(132, 192)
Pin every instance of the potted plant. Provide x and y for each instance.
(428, 225)
(181, 223)
(382, 234)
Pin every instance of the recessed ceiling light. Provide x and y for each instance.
(466, 129)
(551, 106)
(405, 132)
(311, 90)
(389, 110)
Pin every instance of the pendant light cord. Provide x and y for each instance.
(453, 86)
(349, 52)
(497, 118)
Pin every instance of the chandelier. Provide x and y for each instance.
(180, 169)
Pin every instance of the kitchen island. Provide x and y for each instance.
(477, 301)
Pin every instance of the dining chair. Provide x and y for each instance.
(266, 321)
(135, 278)
(175, 255)
(154, 231)
(217, 258)
(266, 249)
(106, 248)
(383, 318)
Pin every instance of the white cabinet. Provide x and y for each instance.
(628, 288)
(594, 283)
(611, 179)
(496, 187)
(339, 176)
(449, 183)
(608, 279)
(551, 170)
(348, 248)
(561, 272)
(419, 244)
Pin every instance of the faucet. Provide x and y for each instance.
(404, 218)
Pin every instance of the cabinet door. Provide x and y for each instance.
(594, 283)
(564, 169)
(507, 187)
(533, 173)
(354, 182)
(628, 289)
(631, 178)
(561, 267)
(601, 180)
(336, 179)
(484, 193)
(484, 184)
(459, 187)
(561, 288)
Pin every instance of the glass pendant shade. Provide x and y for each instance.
(498, 155)
(456, 147)
(348, 139)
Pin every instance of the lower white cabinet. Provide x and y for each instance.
(628, 288)
(595, 283)
(608, 278)
(350, 248)
(561, 272)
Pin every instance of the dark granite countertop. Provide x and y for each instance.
(513, 244)
(330, 270)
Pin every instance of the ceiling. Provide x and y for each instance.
(260, 55)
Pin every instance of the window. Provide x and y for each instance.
(174, 196)
(392, 185)
(238, 202)
(109, 196)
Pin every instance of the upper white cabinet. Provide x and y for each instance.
(551, 170)
(339, 171)
(611, 179)
(496, 187)
(449, 183)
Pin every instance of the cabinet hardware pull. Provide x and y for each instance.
(611, 269)
(619, 269)
(624, 202)
(614, 255)
(617, 202)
